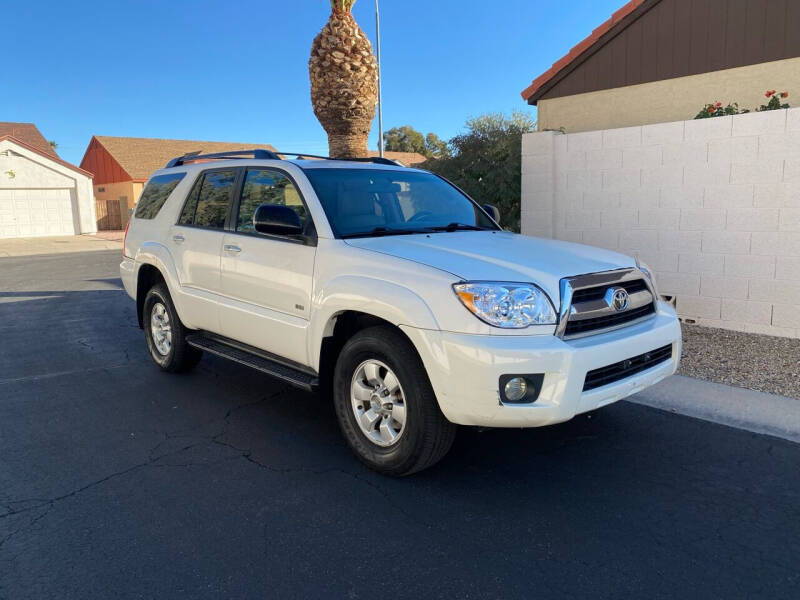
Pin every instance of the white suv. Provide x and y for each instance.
(394, 291)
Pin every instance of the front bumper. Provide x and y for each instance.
(465, 369)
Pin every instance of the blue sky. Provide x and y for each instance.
(237, 70)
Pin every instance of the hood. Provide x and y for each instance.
(499, 256)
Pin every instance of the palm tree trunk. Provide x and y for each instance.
(348, 145)
(344, 91)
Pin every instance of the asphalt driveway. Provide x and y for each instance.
(117, 480)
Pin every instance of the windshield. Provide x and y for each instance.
(366, 202)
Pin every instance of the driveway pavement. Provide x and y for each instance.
(117, 480)
(64, 244)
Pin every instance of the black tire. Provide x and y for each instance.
(181, 357)
(427, 435)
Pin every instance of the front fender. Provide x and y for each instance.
(389, 301)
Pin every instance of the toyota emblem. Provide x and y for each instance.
(618, 298)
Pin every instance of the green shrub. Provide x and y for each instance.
(717, 110)
(774, 103)
(486, 162)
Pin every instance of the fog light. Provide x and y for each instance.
(515, 389)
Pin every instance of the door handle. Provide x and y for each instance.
(231, 248)
(178, 239)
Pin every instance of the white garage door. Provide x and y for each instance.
(32, 212)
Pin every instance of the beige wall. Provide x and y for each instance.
(130, 190)
(114, 191)
(671, 99)
(712, 205)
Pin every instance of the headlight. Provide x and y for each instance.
(649, 274)
(507, 305)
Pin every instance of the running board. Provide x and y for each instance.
(254, 360)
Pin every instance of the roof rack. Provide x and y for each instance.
(258, 153)
(373, 159)
(262, 154)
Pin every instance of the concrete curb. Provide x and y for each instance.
(758, 412)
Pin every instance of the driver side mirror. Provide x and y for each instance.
(493, 212)
(277, 220)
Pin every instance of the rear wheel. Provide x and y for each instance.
(385, 404)
(165, 334)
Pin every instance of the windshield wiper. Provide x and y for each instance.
(455, 226)
(381, 231)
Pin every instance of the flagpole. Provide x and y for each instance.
(380, 103)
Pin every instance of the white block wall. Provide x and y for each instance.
(712, 205)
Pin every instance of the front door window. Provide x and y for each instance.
(264, 186)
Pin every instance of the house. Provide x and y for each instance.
(40, 194)
(122, 165)
(409, 159)
(662, 60)
(712, 205)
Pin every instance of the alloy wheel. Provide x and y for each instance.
(378, 403)
(161, 329)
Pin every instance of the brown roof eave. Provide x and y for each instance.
(579, 53)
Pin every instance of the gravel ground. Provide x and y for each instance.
(757, 362)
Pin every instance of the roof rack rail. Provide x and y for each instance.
(261, 154)
(373, 159)
(257, 153)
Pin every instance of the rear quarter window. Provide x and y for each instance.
(155, 194)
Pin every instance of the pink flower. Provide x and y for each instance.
(769, 93)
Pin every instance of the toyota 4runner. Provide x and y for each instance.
(391, 289)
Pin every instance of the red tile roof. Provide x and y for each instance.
(409, 159)
(28, 133)
(580, 48)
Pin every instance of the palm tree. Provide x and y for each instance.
(344, 89)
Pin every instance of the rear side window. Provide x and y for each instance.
(187, 214)
(207, 205)
(155, 194)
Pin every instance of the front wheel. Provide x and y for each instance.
(165, 334)
(385, 404)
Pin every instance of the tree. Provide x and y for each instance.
(435, 147)
(53, 144)
(404, 139)
(408, 139)
(344, 82)
(486, 162)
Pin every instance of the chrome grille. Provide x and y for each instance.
(588, 304)
(596, 293)
(614, 320)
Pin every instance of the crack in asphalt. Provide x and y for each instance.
(60, 374)
(50, 502)
(248, 456)
(154, 460)
(28, 525)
